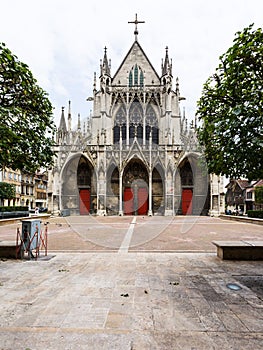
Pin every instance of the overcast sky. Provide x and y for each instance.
(62, 41)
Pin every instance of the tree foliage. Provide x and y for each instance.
(231, 109)
(25, 117)
(7, 191)
(259, 195)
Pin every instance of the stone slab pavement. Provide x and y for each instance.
(151, 234)
(132, 283)
(130, 301)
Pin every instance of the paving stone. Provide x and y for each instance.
(135, 300)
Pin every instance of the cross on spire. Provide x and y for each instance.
(136, 22)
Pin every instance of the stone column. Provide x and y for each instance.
(150, 213)
(120, 195)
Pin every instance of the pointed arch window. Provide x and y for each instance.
(151, 118)
(136, 77)
(136, 113)
(186, 174)
(152, 125)
(116, 134)
(141, 79)
(83, 173)
(120, 116)
(119, 124)
(130, 79)
(136, 121)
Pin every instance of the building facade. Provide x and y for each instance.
(41, 182)
(136, 154)
(27, 190)
(240, 195)
(30, 189)
(13, 177)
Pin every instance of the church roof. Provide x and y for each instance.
(134, 45)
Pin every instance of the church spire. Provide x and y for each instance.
(105, 66)
(177, 86)
(79, 126)
(62, 129)
(69, 116)
(94, 83)
(166, 66)
(62, 124)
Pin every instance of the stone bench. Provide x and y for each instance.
(8, 249)
(239, 250)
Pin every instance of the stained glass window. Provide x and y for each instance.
(152, 125)
(136, 75)
(141, 79)
(130, 79)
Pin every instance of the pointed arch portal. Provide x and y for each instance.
(187, 184)
(135, 189)
(158, 190)
(113, 190)
(84, 183)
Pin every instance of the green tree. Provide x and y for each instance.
(26, 124)
(231, 109)
(259, 195)
(7, 191)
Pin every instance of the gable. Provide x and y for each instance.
(135, 56)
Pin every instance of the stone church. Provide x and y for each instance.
(136, 154)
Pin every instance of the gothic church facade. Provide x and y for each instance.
(136, 154)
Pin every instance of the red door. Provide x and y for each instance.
(128, 201)
(84, 202)
(187, 196)
(142, 201)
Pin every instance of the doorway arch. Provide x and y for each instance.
(187, 185)
(86, 188)
(158, 190)
(135, 188)
(113, 181)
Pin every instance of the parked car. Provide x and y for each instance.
(228, 212)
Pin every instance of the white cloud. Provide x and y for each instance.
(62, 41)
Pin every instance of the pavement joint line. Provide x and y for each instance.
(42, 329)
(103, 330)
(133, 251)
(124, 247)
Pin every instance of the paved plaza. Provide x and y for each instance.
(139, 233)
(132, 283)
